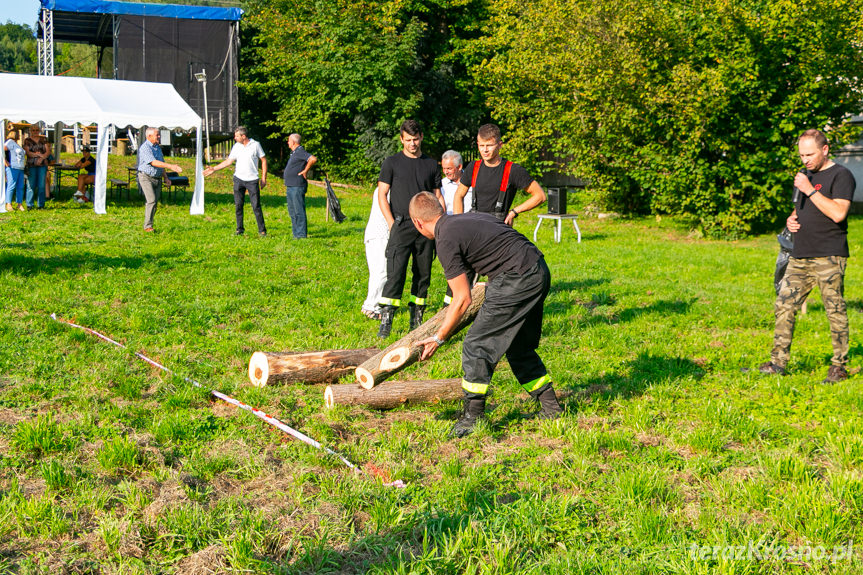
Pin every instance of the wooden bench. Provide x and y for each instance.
(120, 185)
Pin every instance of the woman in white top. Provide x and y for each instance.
(15, 160)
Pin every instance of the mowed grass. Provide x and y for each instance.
(669, 459)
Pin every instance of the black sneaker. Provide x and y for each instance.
(835, 374)
(771, 368)
(262, 234)
(238, 233)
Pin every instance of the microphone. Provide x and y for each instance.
(803, 170)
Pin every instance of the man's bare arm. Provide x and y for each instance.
(461, 300)
(440, 199)
(309, 163)
(458, 199)
(537, 197)
(384, 203)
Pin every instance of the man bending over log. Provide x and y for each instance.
(510, 320)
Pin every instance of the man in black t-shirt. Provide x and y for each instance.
(510, 319)
(823, 194)
(403, 176)
(496, 180)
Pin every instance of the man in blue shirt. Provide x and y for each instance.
(151, 167)
(296, 184)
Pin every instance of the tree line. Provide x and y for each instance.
(663, 106)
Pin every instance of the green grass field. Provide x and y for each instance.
(669, 460)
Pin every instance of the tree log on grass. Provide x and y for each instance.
(309, 367)
(391, 394)
(404, 352)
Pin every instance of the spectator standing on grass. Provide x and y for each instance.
(376, 236)
(819, 222)
(151, 168)
(38, 151)
(296, 177)
(247, 153)
(15, 160)
(88, 164)
(510, 319)
(495, 181)
(451, 163)
(403, 176)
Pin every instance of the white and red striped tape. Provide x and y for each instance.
(256, 412)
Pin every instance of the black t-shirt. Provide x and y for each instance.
(819, 236)
(407, 177)
(481, 243)
(488, 182)
(89, 165)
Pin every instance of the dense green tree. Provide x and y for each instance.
(17, 48)
(673, 106)
(345, 74)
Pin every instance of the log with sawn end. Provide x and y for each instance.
(372, 372)
(309, 367)
(391, 394)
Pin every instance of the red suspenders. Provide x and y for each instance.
(504, 183)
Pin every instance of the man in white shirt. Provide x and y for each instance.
(451, 163)
(247, 153)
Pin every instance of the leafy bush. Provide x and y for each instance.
(675, 107)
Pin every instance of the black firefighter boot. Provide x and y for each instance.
(387, 313)
(416, 315)
(551, 409)
(473, 409)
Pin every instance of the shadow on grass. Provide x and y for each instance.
(29, 265)
(663, 307)
(634, 377)
(572, 285)
(607, 314)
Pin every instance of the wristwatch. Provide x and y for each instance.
(438, 340)
(514, 212)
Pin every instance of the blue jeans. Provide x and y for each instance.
(296, 198)
(36, 178)
(14, 185)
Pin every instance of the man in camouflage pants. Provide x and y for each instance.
(820, 254)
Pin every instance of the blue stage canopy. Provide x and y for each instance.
(141, 9)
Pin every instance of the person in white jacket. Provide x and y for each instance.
(376, 237)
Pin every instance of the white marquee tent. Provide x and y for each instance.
(53, 99)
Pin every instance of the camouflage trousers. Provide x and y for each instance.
(828, 273)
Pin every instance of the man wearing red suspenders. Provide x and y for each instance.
(495, 181)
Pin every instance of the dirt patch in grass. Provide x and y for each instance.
(222, 409)
(10, 416)
(743, 473)
(649, 440)
(170, 494)
(205, 562)
(593, 421)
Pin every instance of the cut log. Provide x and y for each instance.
(309, 367)
(372, 372)
(390, 394)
